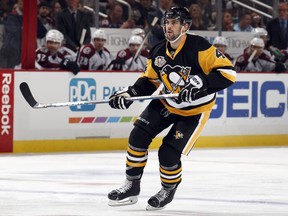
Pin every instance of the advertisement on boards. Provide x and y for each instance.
(7, 107)
(256, 104)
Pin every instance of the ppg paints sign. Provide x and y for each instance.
(82, 90)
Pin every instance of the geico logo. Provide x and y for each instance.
(5, 105)
(82, 90)
(248, 99)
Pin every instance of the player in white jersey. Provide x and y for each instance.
(126, 59)
(55, 56)
(255, 59)
(94, 56)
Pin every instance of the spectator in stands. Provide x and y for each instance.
(278, 28)
(56, 9)
(207, 12)
(244, 23)
(138, 13)
(227, 21)
(55, 56)
(94, 56)
(126, 59)
(157, 33)
(115, 18)
(44, 22)
(148, 5)
(255, 60)
(221, 44)
(197, 23)
(256, 21)
(5, 8)
(71, 21)
(12, 42)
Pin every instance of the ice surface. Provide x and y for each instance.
(216, 182)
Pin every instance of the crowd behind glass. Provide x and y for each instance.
(59, 45)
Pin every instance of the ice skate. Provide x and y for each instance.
(125, 195)
(161, 199)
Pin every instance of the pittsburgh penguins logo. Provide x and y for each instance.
(174, 77)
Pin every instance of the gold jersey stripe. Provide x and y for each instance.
(207, 58)
(229, 76)
(195, 135)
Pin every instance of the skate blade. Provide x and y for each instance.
(151, 208)
(127, 201)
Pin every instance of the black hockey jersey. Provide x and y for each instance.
(194, 56)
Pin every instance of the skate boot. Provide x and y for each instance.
(161, 199)
(126, 194)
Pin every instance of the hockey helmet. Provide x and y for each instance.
(99, 33)
(180, 13)
(258, 32)
(54, 36)
(220, 40)
(135, 39)
(258, 42)
(137, 31)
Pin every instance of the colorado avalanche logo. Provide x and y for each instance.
(174, 77)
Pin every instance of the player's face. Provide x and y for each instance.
(133, 48)
(99, 43)
(221, 48)
(259, 51)
(53, 47)
(172, 28)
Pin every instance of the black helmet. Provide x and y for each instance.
(181, 13)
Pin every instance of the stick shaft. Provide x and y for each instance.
(27, 94)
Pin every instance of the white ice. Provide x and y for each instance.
(216, 182)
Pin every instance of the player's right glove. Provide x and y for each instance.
(70, 65)
(118, 99)
(193, 90)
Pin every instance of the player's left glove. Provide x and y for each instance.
(118, 99)
(70, 65)
(193, 90)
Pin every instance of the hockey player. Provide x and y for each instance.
(94, 56)
(221, 44)
(55, 56)
(126, 59)
(255, 59)
(185, 64)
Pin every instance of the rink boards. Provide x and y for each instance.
(252, 112)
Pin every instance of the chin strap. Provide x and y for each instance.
(182, 33)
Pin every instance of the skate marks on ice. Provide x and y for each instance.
(219, 182)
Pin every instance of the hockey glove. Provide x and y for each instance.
(117, 64)
(70, 65)
(193, 90)
(118, 99)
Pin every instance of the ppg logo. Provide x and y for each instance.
(82, 90)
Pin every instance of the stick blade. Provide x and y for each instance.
(25, 90)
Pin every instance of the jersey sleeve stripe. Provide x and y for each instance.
(228, 74)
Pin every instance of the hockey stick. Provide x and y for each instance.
(142, 44)
(25, 90)
(83, 34)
